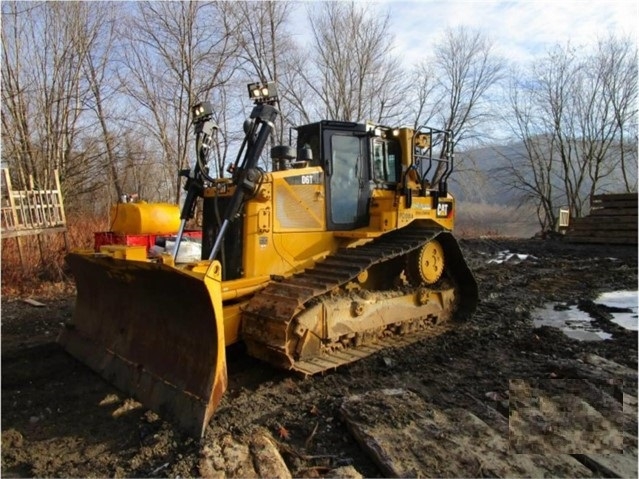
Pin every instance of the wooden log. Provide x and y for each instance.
(593, 231)
(577, 414)
(266, 457)
(589, 220)
(585, 237)
(556, 415)
(608, 240)
(617, 211)
(408, 437)
(615, 196)
(578, 369)
(610, 367)
(610, 465)
(33, 302)
(607, 204)
(612, 220)
(250, 456)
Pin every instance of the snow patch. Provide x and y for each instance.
(512, 258)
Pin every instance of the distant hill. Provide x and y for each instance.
(487, 205)
(475, 178)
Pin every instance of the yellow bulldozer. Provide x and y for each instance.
(343, 248)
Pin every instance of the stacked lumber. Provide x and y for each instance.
(612, 220)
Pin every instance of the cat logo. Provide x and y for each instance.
(444, 210)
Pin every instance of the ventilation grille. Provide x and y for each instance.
(297, 207)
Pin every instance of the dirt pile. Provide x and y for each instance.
(61, 419)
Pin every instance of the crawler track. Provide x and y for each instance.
(276, 318)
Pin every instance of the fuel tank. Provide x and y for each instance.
(145, 218)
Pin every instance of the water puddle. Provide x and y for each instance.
(511, 258)
(622, 300)
(577, 324)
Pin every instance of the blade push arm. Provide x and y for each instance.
(205, 128)
(246, 175)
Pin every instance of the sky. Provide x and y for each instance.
(522, 30)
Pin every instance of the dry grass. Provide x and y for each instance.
(476, 220)
(43, 272)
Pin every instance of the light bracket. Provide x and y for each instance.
(263, 92)
(202, 112)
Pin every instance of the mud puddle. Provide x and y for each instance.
(623, 307)
(577, 321)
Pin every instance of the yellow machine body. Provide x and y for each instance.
(285, 226)
(158, 329)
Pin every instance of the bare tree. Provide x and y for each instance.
(263, 46)
(558, 79)
(577, 97)
(98, 69)
(465, 67)
(579, 108)
(179, 53)
(17, 104)
(298, 93)
(530, 166)
(262, 38)
(617, 64)
(44, 47)
(349, 69)
(427, 94)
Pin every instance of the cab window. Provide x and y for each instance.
(386, 161)
(344, 181)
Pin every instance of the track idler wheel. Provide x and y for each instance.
(426, 264)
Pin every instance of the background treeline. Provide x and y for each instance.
(101, 92)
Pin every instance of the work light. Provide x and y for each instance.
(263, 92)
(202, 111)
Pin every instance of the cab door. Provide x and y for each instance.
(348, 177)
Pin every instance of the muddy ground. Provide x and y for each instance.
(59, 419)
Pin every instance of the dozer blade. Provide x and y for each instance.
(154, 332)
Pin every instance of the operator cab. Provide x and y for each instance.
(356, 158)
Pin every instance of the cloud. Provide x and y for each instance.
(522, 30)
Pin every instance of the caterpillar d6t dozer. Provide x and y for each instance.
(343, 248)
